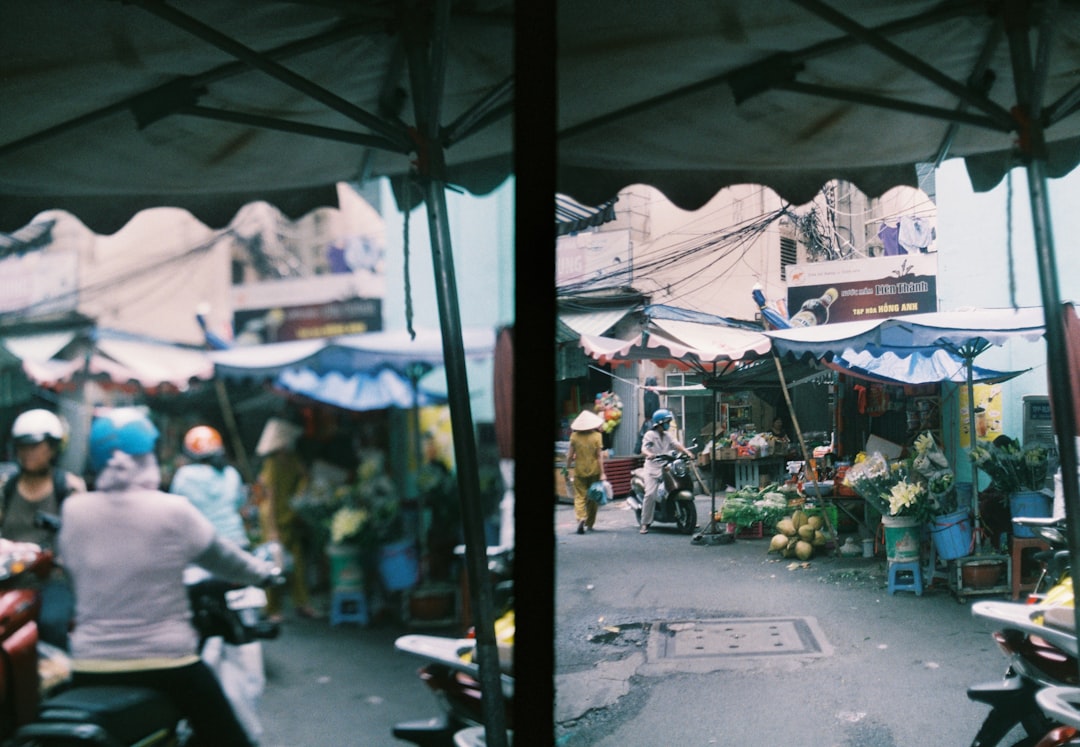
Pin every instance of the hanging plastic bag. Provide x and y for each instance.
(243, 678)
(600, 492)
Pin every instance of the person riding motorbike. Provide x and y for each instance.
(656, 444)
(39, 437)
(211, 484)
(133, 619)
(217, 490)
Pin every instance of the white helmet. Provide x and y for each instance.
(35, 426)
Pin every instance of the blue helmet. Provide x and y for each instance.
(662, 416)
(124, 429)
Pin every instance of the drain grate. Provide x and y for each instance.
(746, 637)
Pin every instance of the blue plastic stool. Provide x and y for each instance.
(348, 606)
(915, 583)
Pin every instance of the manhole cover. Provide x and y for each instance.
(744, 637)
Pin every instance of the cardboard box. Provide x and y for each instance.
(727, 452)
(888, 449)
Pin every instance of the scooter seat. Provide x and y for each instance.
(127, 714)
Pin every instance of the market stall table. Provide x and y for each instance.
(748, 471)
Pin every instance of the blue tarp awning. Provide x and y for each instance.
(370, 371)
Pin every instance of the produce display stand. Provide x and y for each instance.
(961, 590)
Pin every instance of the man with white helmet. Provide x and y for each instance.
(39, 436)
(657, 442)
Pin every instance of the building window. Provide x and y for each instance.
(789, 254)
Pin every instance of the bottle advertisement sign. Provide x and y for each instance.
(872, 288)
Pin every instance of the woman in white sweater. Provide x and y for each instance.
(125, 546)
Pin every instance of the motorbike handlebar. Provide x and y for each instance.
(45, 520)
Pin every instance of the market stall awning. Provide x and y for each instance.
(965, 333)
(359, 392)
(889, 366)
(55, 359)
(349, 354)
(687, 344)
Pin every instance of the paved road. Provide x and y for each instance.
(342, 685)
(639, 662)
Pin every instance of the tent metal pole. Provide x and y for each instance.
(426, 71)
(1028, 86)
(1064, 414)
(465, 454)
(971, 446)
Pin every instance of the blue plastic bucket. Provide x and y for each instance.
(952, 535)
(398, 565)
(1028, 503)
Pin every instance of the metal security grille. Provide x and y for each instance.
(783, 636)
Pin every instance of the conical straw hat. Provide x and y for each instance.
(587, 421)
(277, 434)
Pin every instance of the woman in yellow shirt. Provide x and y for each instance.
(586, 456)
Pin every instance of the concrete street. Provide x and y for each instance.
(341, 685)
(820, 655)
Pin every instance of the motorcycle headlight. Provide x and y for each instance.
(679, 469)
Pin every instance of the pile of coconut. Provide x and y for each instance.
(799, 534)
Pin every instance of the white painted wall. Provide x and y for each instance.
(974, 238)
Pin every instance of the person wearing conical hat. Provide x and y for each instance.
(586, 456)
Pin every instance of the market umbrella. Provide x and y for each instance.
(898, 367)
(964, 334)
(792, 93)
(210, 104)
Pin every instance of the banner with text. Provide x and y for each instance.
(866, 288)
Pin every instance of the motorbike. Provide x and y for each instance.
(1060, 705)
(452, 674)
(61, 714)
(675, 495)
(1039, 641)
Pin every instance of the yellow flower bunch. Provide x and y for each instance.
(347, 524)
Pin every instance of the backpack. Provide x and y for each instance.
(60, 490)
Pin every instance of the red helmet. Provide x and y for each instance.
(203, 441)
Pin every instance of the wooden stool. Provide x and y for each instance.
(1017, 546)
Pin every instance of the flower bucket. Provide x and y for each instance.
(901, 538)
(952, 535)
(399, 565)
(1028, 503)
(346, 567)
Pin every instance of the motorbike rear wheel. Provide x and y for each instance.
(685, 516)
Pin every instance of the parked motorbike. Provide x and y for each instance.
(96, 715)
(1055, 561)
(1039, 640)
(451, 672)
(1062, 706)
(675, 496)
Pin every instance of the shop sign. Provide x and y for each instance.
(593, 260)
(870, 288)
(330, 319)
(305, 308)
